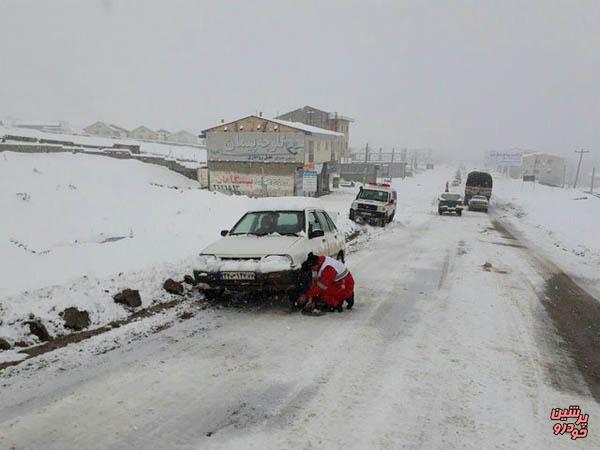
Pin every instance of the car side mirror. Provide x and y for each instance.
(224, 232)
(392, 201)
(315, 234)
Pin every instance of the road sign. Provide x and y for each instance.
(309, 181)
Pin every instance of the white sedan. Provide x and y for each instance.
(479, 203)
(264, 251)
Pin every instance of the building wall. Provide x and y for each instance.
(254, 179)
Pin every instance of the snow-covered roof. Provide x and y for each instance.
(308, 128)
(297, 125)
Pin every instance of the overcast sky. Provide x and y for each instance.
(456, 76)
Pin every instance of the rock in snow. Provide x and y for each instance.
(75, 319)
(38, 329)
(4, 345)
(129, 297)
(189, 280)
(173, 287)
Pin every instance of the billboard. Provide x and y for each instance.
(507, 159)
(255, 146)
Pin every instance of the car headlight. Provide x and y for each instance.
(207, 261)
(381, 208)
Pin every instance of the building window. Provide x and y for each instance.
(311, 151)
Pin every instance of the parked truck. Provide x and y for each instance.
(478, 183)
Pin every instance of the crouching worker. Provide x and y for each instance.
(332, 285)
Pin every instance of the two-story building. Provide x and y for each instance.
(263, 157)
(322, 119)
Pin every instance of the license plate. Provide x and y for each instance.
(244, 276)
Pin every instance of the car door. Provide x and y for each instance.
(330, 233)
(317, 245)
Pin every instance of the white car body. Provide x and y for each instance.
(268, 261)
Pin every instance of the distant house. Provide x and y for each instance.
(101, 129)
(143, 133)
(122, 132)
(183, 137)
(163, 135)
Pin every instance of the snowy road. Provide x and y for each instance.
(439, 353)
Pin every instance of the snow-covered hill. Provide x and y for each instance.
(77, 228)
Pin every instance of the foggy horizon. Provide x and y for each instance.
(460, 78)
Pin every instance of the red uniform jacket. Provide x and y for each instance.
(334, 282)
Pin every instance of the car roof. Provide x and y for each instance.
(370, 187)
(301, 209)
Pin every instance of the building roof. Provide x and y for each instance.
(331, 115)
(142, 128)
(118, 128)
(308, 129)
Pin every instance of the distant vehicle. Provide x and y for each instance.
(264, 251)
(450, 203)
(375, 204)
(455, 183)
(478, 183)
(345, 183)
(479, 203)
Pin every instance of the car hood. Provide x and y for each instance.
(250, 246)
(369, 202)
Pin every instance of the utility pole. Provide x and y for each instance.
(593, 177)
(581, 152)
(367, 153)
(393, 151)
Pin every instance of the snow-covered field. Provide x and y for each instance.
(563, 224)
(78, 228)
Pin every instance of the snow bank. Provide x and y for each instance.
(561, 222)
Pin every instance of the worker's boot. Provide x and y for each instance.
(350, 301)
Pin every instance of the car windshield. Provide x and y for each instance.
(447, 196)
(261, 223)
(369, 194)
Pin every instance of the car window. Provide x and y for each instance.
(314, 221)
(378, 196)
(323, 220)
(330, 222)
(270, 222)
